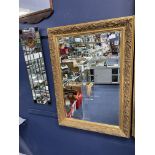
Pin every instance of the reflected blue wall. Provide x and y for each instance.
(41, 134)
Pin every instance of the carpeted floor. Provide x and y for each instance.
(102, 106)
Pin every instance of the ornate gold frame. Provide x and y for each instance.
(126, 26)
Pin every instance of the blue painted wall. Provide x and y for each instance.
(41, 134)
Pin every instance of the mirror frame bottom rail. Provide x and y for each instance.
(125, 25)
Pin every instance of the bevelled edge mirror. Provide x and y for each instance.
(123, 28)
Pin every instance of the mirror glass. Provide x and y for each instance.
(31, 45)
(31, 6)
(90, 67)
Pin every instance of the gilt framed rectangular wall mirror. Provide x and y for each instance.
(92, 68)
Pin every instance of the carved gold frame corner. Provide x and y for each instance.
(126, 26)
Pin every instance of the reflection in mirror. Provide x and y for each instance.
(31, 6)
(90, 66)
(31, 44)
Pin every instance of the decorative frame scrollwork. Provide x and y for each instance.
(126, 26)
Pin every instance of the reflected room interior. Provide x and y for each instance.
(90, 66)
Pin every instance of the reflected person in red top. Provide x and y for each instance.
(63, 50)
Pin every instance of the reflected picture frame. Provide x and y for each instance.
(125, 25)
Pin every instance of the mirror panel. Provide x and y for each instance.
(31, 45)
(31, 6)
(34, 11)
(90, 67)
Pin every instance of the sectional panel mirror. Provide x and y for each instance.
(32, 49)
(92, 65)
